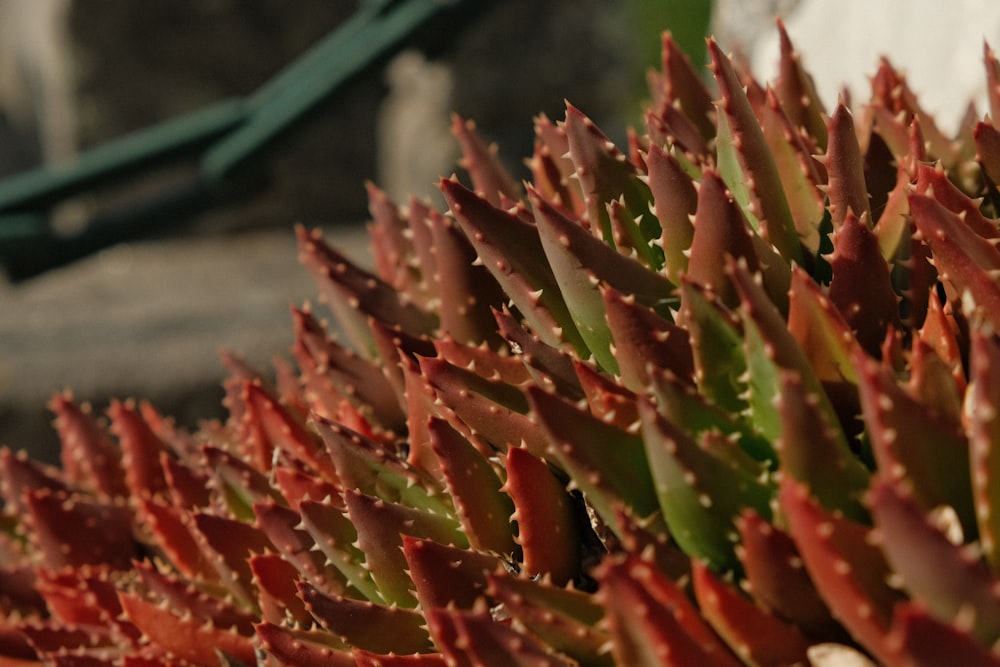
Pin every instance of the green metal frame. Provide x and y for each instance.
(222, 141)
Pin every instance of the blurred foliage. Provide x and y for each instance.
(687, 20)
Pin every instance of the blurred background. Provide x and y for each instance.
(146, 314)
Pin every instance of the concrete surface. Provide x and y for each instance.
(148, 320)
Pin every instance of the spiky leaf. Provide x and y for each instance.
(702, 487)
(547, 529)
(747, 165)
(606, 463)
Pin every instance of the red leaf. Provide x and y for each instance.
(445, 575)
(652, 622)
(367, 659)
(71, 531)
(491, 409)
(358, 380)
(778, 579)
(489, 176)
(187, 638)
(286, 433)
(861, 288)
(962, 257)
(171, 529)
(283, 528)
(230, 543)
(720, 230)
(849, 572)
(797, 92)
(278, 593)
(84, 596)
(547, 365)
(683, 85)
(19, 475)
(484, 642)
(547, 527)
(928, 642)
(188, 487)
(391, 249)
(563, 618)
(183, 598)
(938, 574)
(512, 251)
(298, 486)
(751, 632)
(366, 625)
(141, 450)
(675, 200)
(606, 398)
(355, 294)
(89, 457)
(299, 648)
(846, 170)
(54, 640)
(19, 593)
(643, 338)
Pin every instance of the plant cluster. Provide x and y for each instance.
(727, 396)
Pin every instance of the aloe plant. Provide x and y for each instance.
(724, 396)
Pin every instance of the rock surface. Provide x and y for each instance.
(148, 320)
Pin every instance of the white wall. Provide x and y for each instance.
(938, 45)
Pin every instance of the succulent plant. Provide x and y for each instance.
(727, 396)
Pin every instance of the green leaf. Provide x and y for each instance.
(367, 467)
(482, 507)
(379, 525)
(716, 344)
(817, 453)
(605, 462)
(702, 487)
(606, 175)
(747, 164)
(770, 346)
(682, 405)
(512, 251)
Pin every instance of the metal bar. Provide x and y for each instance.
(17, 228)
(39, 252)
(330, 47)
(225, 136)
(183, 136)
(187, 135)
(347, 58)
